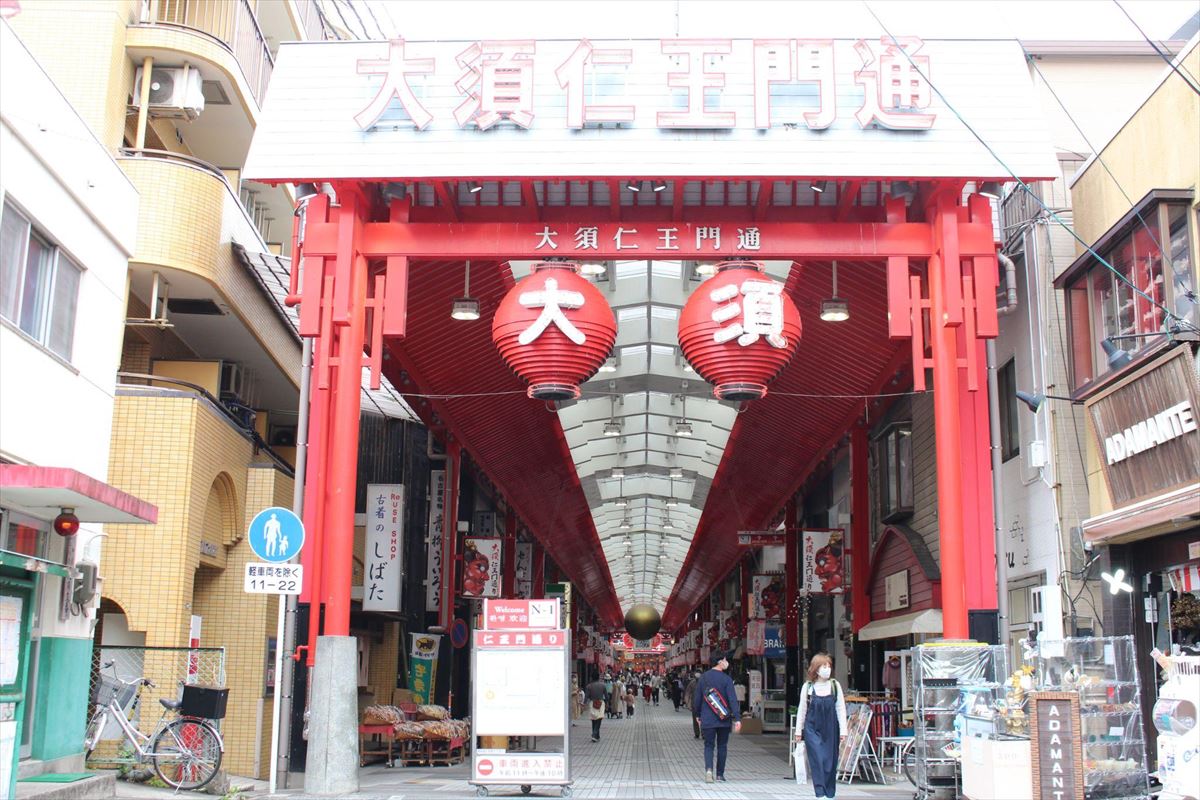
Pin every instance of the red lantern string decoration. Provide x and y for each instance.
(738, 330)
(554, 329)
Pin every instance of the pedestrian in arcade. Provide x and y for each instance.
(716, 707)
(656, 688)
(821, 722)
(594, 693)
(677, 690)
(647, 689)
(689, 692)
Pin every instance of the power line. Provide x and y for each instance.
(1180, 322)
(1164, 56)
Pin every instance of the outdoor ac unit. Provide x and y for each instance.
(235, 383)
(174, 91)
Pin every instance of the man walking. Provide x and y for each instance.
(716, 708)
(677, 690)
(689, 692)
(594, 695)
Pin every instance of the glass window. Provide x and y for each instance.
(39, 284)
(895, 472)
(1183, 280)
(1010, 427)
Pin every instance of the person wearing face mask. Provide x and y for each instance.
(821, 723)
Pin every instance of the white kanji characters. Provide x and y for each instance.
(395, 69)
(760, 312)
(546, 239)
(710, 233)
(497, 83)
(587, 238)
(895, 90)
(666, 239)
(622, 232)
(572, 77)
(694, 81)
(802, 61)
(552, 301)
(749, 239)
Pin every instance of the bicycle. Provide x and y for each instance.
(184, 750)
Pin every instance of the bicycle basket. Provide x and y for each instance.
(207, 702)
(109, 689)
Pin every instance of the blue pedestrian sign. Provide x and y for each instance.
(276, 534)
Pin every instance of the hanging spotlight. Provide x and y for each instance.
(466, 307)
(1116, 357)
(660, 186)
(667, 524)
(610, 365)
(592, 269)
(817, 186)
(683, 428)
(676, 472)
(474, 187)
(835, 309)
(625, 524)
(633, 186)
(991, 189)
(618, 472)
(612, 427)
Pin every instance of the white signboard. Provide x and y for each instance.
(895, 591)
(520, 108)
(383, 556)
(520, 692)
(267, 578)
(433, 542)
(500, 766)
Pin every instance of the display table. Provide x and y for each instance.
(997, 769)
(897, 746)
(376, 740)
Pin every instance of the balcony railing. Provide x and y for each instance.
(232, 23)
(1018, 209)
(310, 20)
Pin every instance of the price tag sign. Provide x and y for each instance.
(266, 578)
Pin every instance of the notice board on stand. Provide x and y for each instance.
(1057, 745)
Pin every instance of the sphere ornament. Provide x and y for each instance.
(642, 621)
(739, 329)
(554, 329)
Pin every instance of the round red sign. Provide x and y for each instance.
(485, 767)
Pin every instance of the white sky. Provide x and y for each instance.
(930, 19)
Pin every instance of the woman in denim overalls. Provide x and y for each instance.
(821, 723)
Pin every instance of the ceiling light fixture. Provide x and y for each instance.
(676, 472)
(817, 186)
(609, 365)
(682, 426)
(633, 186)
(592, 269)
(660, 186)
(465, 308)
(618, 472)
(706, 269)
(835, 309)
(991, 189)
(474, 187)
(612, 427)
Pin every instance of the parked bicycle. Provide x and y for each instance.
(184, 749)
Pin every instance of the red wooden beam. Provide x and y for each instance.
(529, 198)
(763, 201)
(447, 200)
(846, 194)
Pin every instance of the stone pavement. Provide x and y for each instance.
(651, 756)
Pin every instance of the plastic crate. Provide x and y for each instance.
(207, 702)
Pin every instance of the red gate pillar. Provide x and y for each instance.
(945, 317)
(860, 527)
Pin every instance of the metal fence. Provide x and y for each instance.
(167, 667)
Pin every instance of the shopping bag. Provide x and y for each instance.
(800, 759)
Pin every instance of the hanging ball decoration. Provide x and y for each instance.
(554, 329)
(738, 330)
(642, 621)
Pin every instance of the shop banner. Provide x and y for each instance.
(773, 642)
(705, 655)
(422, 666)
(821, 561)
(756, 636)
(708, 636)
(433, 540)
(523, 569)
(482, 567)
(766, 596)
(383, 556)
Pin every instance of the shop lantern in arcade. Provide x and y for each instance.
(554, 329)
(738, 330)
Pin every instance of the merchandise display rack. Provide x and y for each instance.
(947, 679)
(1103, 672)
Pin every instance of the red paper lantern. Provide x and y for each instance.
(554, 329)
(738, 330)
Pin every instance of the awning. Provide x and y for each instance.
(42, 492)
(1154, 516)
(927, 621)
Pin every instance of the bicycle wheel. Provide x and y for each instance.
(94, 730)
(187, 754)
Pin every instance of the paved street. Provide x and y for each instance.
(652, 755)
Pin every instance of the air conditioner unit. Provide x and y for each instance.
(174, 91)
(235, 383)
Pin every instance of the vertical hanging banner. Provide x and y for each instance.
(756, 636)
(724, 634)
(433, 541)
(422, 666)
(523, 570)
(766, 596)
(481, 566)
(383, 556)
(821, 561)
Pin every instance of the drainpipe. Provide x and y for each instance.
(1010, 305)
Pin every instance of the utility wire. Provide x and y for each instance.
(1180, 322)
(1163, 55)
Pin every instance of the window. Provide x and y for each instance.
(39, 284)
(1151, 250)
(894, 463)
(1010, 427)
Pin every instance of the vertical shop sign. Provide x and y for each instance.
(433, 541)
(422, 666)
(773, 642)
(756, 637)
(822, 562)
(1057, 746)
(383, 555)
(482, 567)
(523, 570)
(766, 596)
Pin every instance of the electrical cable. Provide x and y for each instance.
(1180, 322)
(1170, 61)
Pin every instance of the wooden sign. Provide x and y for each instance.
(1147, 428)
(760, 538)
(1057, 746)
